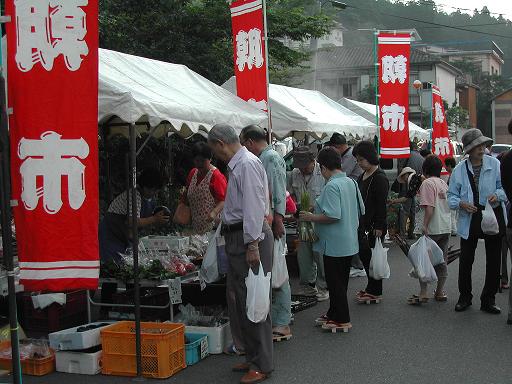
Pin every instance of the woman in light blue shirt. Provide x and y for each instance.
(336, 219)
(473, 183)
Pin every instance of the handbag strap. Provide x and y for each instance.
(357, 198)
(473, 185)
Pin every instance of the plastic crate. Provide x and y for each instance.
(56, 317)
(219, 337)
(162, 347)
(300, 303)
(196, 347)
(87, 362)
(32, 367)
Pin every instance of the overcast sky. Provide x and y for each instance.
(498, 6)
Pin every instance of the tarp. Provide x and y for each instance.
(368, 112)
(136, 89)
(296, 112)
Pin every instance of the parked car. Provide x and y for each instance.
(496, 149)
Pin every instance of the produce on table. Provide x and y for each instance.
(306, 231)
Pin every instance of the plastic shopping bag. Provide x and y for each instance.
(489, 222)
(420, 260)
(258, 295)
(210, 268)
(379, 267)
(279, 268)
(434, 252)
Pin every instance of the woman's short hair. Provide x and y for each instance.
(150, 178)
(432, 166)
(202, 150)
(450, 162)
(367, 151)
(329, 158)
(425, 152)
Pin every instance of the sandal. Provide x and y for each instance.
(334, 326)
(443, 297)
(279, 336)
(368, 298)
(416, 300)
(321, 320)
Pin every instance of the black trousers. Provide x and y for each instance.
(337, 274)
(492, 266)
(374, 287)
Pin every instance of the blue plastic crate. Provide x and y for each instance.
(196, 347)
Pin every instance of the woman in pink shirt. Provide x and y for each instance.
(433, 219)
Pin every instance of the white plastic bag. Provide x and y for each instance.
(434, 252)
(420, 260)
(379, 267)
(258, 295)
(210, 268)
(279, 268)
(489, 222)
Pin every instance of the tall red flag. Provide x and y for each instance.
(53, 93)
(249, 52)
(393, 55)
(441, 144)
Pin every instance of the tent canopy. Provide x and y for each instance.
(368, 112)
(168, 96)
(303, 111)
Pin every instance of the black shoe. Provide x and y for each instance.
(491, 308)
(462, 306)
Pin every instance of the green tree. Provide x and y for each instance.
(457, 116)
(197, 33)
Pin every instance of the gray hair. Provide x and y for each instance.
(224, 133)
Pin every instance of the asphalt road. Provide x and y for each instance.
(390, 343)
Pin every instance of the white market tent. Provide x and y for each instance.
(171, 97)
(296, 112)
(368, 112)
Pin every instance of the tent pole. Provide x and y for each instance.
(8, 256)
(135, 246)
(269, 113)
(376, 61)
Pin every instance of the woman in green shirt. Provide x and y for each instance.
(336, 219)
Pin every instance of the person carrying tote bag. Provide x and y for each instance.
(473, 183)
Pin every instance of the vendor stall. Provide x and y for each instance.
(166, 97)
(297, 112)
(368, 112)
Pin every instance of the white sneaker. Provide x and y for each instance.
(355, 272)
(322, 295)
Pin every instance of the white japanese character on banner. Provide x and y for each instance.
(441, 146)
(48, 28)
(394, 68)
(393, 117)
(438, 112)
(249, 49)
(45, 158)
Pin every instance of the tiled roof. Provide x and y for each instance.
(361, 57)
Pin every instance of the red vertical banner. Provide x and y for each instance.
(441, 144)
(393, 55)
(53, 96)
(249, 52)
